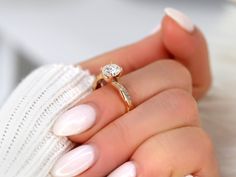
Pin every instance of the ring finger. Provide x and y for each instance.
(89, 116)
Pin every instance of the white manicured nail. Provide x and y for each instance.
(75, 162)
(75, 121)
(180, 18)
(128, 169)
(156, 29)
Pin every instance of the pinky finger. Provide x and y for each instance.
(176, 153)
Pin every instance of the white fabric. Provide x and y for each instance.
(28, 147)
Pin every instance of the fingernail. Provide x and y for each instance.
(75, 162)
(156, 29)
(128, 169)
(180, 18)
(75, 120)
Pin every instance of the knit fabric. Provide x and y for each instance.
(28, 147)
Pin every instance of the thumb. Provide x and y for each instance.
(184, 41)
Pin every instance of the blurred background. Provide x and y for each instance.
(33, 33)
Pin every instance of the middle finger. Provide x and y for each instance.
(115, 143)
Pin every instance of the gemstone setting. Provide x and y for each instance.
(111, 70)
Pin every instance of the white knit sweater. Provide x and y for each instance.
(28, 148)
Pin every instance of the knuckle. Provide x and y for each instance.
(181, 101)
(206, 146)
(179, 73)
(206, 142)
(150, 155)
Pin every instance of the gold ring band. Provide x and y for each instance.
(110, 74)
(124, 94)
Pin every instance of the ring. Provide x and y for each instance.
(124, 94)
(110, 74)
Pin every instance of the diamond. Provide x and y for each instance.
(111, 70)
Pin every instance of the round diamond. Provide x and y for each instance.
(111, 70)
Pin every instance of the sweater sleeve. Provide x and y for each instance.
(28, 147)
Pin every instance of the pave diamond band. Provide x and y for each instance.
(110, 74)
(124, 94)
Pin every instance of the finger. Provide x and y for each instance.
(116, 142)
(178, 38)
(176, 153)
(187, 45)
(142, 84)
(130, 57)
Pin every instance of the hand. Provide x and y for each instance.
(162, 135)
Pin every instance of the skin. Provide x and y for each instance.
(162, 135)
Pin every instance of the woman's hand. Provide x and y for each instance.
(161, 137)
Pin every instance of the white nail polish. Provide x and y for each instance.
(128, 169)
(156, 29)
(75, 121)
(75, 162)
(180, 18)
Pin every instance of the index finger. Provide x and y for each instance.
(178, 38)
(130, 57)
